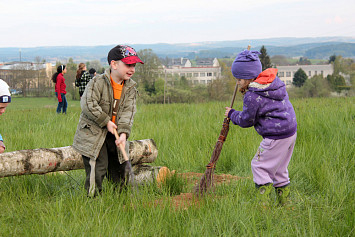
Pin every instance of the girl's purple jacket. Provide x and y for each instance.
(268, 109)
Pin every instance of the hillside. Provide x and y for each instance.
(320, 48)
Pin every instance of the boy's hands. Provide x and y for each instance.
(2, 149)
(121, 140)
(227, 111)
(111, 126)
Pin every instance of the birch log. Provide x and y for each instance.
(148, 174)
(45, 160)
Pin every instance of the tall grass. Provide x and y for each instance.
(321, 171)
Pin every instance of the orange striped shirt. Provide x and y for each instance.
(117, 91)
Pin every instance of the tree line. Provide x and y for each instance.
(155, 86)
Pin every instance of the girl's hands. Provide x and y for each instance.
(227, 111)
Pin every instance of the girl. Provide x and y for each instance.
(266, 107)
(59, 80)
(82, 78)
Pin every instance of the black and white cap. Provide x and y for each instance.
(5, 96)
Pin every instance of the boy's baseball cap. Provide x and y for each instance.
(247, 65)
(124, 53)
(5, 96)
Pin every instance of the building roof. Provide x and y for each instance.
(176, 62)
(307, 67)
(22, 65)
(204, 61)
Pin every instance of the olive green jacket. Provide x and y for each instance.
(97, 105)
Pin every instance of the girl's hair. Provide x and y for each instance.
(80, 70)
(60, 69)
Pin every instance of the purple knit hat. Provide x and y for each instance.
(247, 65)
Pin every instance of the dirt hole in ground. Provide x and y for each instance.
(185, 200)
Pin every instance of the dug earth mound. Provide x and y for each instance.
(185, 200)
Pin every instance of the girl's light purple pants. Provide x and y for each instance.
(270, 162)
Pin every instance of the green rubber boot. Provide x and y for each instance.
(264, 194)
(283, 195)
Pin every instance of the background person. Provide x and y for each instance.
(82, 78)
(60, 86)
(94, 138)
(92, 72)
(5, 99)
(266, 107)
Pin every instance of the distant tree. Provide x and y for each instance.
(336, 82)
(183, 83)
(304, 61)
(71, 65)
(299, 78)
(337, 65)
(165, 60)
(217, 90)
(332, 58)
(264, 58)
(227, 77)
(343, 65)
(316, 86)
(96, 64)
(38, 66)
(147, 74)
(23, 75)
(280, 60)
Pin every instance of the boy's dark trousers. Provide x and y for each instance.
(107, 164)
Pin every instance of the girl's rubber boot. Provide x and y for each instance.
(283, 195)
(264, 194)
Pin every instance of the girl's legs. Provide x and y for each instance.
(65, 103)
(270, 163)
(60, 105)
(281, 178)
(269, 167)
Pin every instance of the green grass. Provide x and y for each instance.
(321, 172)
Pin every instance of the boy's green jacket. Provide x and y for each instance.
(97, 105)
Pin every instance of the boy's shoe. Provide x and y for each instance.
(264, 194)
(283, 195)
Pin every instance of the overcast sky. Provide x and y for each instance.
(31, 23)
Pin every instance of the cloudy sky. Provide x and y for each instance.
(25, 23)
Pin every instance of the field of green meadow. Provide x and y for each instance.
(321, 170)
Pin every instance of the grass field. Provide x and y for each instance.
(321, 171)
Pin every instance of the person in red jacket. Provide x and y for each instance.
(59, 80)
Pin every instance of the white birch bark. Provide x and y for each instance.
(45, 160)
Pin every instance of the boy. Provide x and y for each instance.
(108, 103)
(5, 99)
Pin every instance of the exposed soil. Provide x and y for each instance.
(194, 178)
(186, 200)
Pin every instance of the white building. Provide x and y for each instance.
(13, 73)
(286, 73)
(205, 71)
